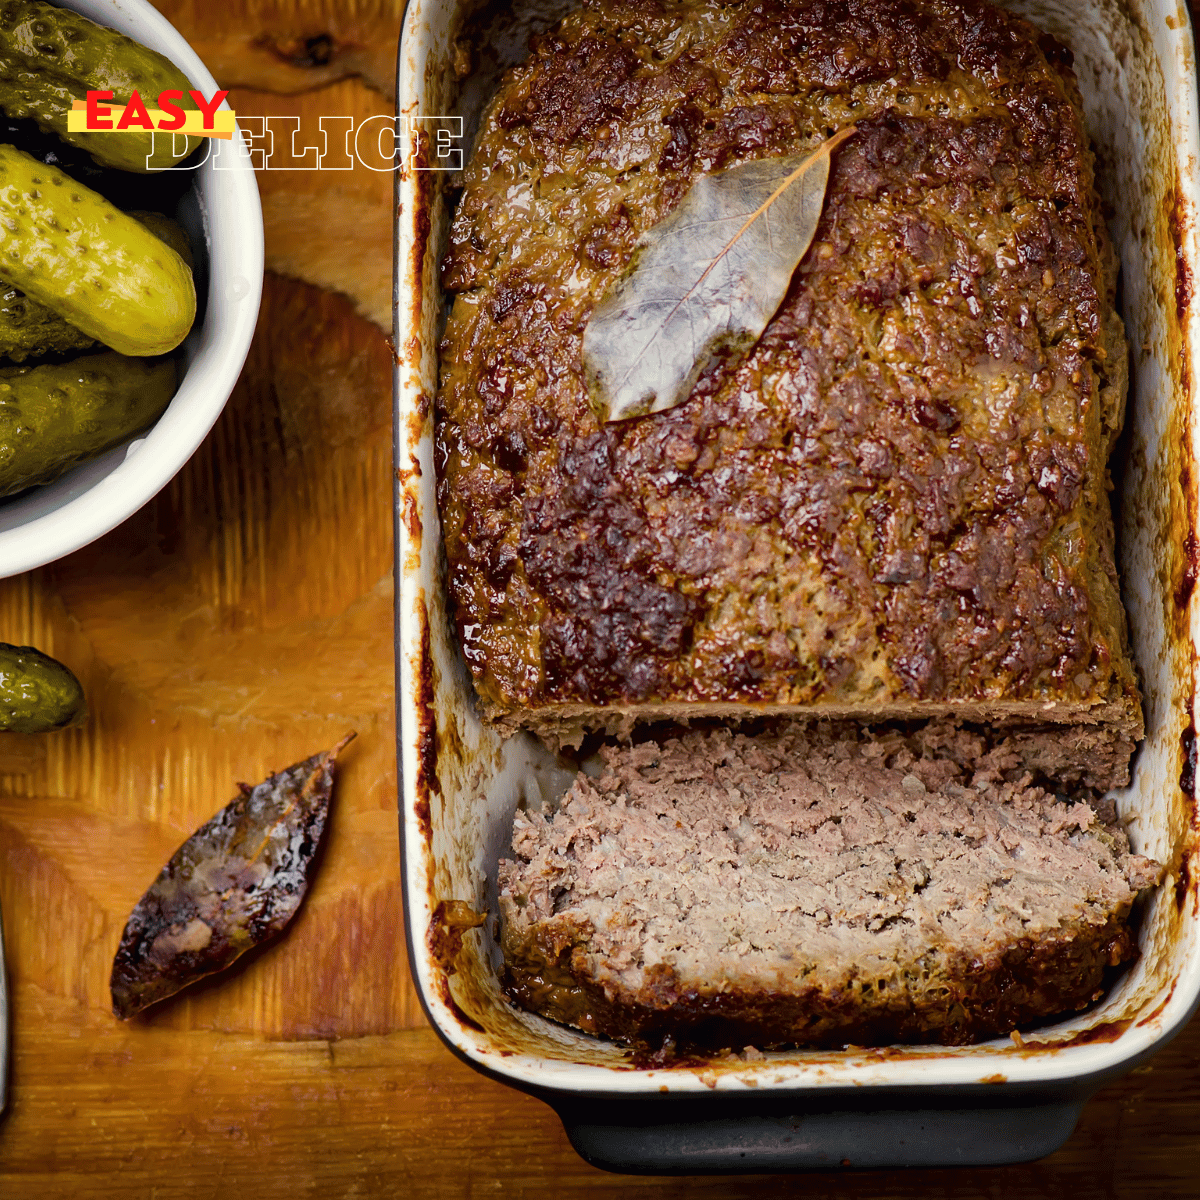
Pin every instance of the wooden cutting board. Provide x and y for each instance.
(242, 621)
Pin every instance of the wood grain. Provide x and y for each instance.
(290, 46)
(237, 623)
(329, 227)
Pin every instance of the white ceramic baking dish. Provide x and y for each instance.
(997, 1102)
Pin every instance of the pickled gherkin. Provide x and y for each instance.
(51, 57)
(29, 329)
(55, 416)
(168, 231)
(161, 192)
(75, 269)
(37, 693)
(103, 271)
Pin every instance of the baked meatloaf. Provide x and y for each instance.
(897, 504)
(814, 888)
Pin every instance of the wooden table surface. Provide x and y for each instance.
(242, 621)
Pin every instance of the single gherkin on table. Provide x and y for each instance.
(37, 693)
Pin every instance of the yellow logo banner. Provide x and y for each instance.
(114, 117)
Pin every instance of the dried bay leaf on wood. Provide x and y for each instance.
(704, 281)
(237, 881)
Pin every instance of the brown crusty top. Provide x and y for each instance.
(899, 498)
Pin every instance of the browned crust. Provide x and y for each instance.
(975, 997)
(848, 518)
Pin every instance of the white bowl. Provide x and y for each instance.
(223, 217)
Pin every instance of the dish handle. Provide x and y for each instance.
(654, 1140)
